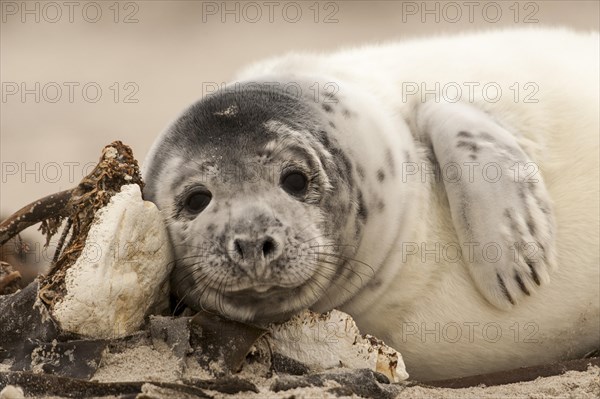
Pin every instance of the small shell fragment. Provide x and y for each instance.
(331, 340)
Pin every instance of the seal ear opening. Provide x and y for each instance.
(501, 213)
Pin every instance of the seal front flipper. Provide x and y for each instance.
(499, 203)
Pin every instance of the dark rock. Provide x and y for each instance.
(20, 320)
(381, 378)
(77, 359)
(217, 339)
(284, 364)
(362, 382)
(230, 385)
(52, 385)
(49, 385)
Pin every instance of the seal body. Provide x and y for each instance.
(351, 181)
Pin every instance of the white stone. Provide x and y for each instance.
(333, 340)
(122, 272)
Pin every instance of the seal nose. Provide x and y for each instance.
(255, 250)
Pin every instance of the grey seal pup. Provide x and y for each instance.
(462, 231)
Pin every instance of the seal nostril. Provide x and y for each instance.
(238, 248)
(268, 247)
(254, 250)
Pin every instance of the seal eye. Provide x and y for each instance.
(197, 201)
(295, 183)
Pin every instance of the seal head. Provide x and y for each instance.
(258, 197)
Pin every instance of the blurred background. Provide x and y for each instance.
(77, 75)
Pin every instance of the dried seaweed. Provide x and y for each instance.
(116, 167)
(9, 279)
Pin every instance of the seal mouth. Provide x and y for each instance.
(259, 292)
(269, 305)
(258, 303)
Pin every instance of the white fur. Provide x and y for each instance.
(432, 311)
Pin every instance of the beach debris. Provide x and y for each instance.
(10, 279)
(225, 341)
(110, 272)
(327, 341)
(121, 272)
